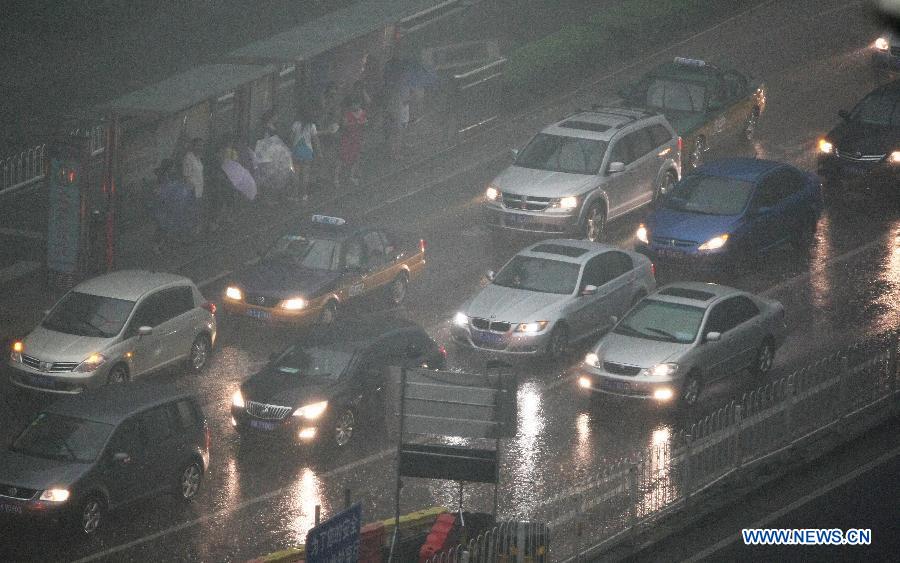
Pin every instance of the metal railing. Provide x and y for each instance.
(23, 169)
(629, 494)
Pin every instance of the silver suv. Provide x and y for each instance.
(115, 327)
(551, 294)
(590, 168)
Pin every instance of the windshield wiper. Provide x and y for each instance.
(665, 333)
(628, 329)
(92, 327)
(61, 442)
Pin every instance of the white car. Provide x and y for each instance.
(113, 328)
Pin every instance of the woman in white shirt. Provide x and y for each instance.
(304, 147)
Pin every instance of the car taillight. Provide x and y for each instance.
(422, 245)
(680, 144)
(652, 269)
(210, 306)
(443, 351)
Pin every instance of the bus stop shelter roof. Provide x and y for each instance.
(186, 89)
(332, 30)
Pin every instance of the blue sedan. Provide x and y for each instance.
(732, 207)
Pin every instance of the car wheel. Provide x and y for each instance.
(558, 344)
(665, 184)
(595, 223)
(89, 515)
(118, 374)
(696, 158)
(750, 126)
(344, 428)
(199, 356)
(397, 290)
(328, 314)
(765, 357)
(690, 391)
(188, 483)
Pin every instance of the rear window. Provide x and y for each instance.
(675, 95)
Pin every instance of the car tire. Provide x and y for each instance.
(665, 184)
(118, 374)
(558, 344)
(595, 223)
(188, 481)
(751, 124)
(696, 158)
(89, 515)
(344, 428)
(328, 315)
(201, 348)
(690, 391)
(765, 357)
(398, 289)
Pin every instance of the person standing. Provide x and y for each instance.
(304, 148)
(216, 191)
(174, 211)
(192, 168)
(355, 120)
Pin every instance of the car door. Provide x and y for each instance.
(178, 323)
(747, 332)
(125, 463)
(618, 184)
(146, 350)
(353, 262)
(378, 264)
(158, 430)
(717, 356)
(621, 285)
(765, 225)
(740, 102)
(646, 167)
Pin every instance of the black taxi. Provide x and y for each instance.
(706, 104)
(307, 275)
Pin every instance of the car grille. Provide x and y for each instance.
(267, 412)
(621, 369)
(495, 326)
(21, 493)
(261, 300)
(57, 367)
(526, 203)
(674, 242)
(858, 157)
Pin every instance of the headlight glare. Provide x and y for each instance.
(91, 363)
(663, 394)
(293, 304)
(825, 146)
(311, 411)
(882, 44)
(894, 157)
(237, 400)
(662, 370)
(584, 382)
(592, 360)
(569, 202)
(714, 243)
(15, 353)
(235, 293)
(55, 495)
(532, 327)
(641, 234)
(460, 319)
(492, 193)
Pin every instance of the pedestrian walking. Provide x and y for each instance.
(175, 208)
(304, 148)
(354, 124)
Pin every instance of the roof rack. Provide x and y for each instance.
(635, 113)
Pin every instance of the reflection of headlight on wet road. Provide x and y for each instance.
(663, 394)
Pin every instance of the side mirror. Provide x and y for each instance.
(844, 114)
(145, 331)
(713, 336)
(613, 320)
(514, 153)
(46, 312)
(616, 167)
(589, 290)
(121, 457)
(490, 275)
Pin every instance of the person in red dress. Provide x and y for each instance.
(355, 119)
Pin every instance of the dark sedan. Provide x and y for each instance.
(322, 392)
(730, 208)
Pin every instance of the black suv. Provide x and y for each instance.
(867, 143)
(320, 392)
(88, 453)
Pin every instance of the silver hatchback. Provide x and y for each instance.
(552, 294)
(681, 337)
(115, 327)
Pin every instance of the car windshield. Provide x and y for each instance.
(710, 195)
(878, 109)
(84, 314)
(676, 95)
(54, 436)
(661, 320)
(563, 154)
(539, 274)
(318, 254)
(314, 361)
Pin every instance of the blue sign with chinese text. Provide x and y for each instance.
(336, 540)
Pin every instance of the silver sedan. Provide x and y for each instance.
(682, 337)
(551, 294)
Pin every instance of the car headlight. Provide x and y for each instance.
(825, 146)
(662, 370)
(235, 293)
(312, 411)
(492, 193)
(55, 495)
(882, 44)
(237, 400)
(641, 234)
(894, 157)
(714, 243)
(91, 363)
(293, 304)
(592, 360)
(532, 327)
(584, 382)
(15, 353)
(663, 393)
(568, 202)
(460, 319)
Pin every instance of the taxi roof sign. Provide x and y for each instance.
(326, 220)
(689, 62)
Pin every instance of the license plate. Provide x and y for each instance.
(668, 253)
(258, 314)
(42, 381)
(519, 219)
(262, 425)
(10, 508)
(488, 337)
(854, 170)
(614, 385)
